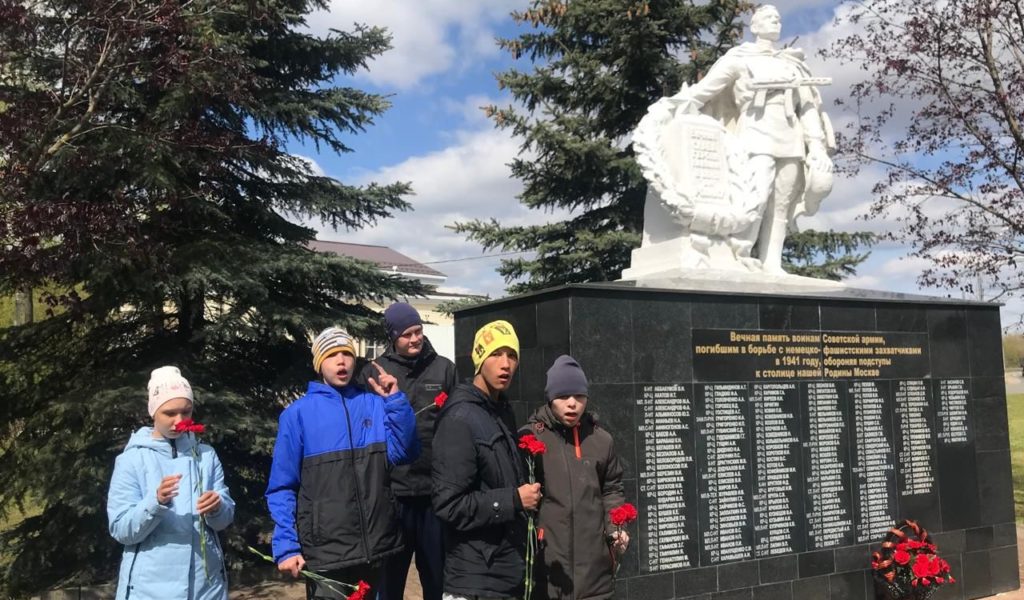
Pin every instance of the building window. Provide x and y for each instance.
(375, 350)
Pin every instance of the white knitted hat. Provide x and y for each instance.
(166, 383)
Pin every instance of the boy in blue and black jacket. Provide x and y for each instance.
(329, 490)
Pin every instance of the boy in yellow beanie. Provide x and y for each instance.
(480, 489)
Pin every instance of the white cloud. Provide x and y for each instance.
(786, 6)
(845, 207)
(905, 266)
(866, 282)
(429, 37)
(469, 110)
(314, 167)
(467, 180)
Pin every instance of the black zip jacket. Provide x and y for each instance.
(477, 471)
(582, 479)
(422, 379)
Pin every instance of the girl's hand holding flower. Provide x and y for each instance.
(209, 502)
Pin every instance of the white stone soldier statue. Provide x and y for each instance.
(766, 97)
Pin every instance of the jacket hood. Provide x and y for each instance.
(425, 355)
(546, 416)
(143, 438)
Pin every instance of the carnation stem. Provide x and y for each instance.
(324, 581)
(199, 492)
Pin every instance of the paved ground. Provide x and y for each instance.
(1019, 594)
(1014, 383)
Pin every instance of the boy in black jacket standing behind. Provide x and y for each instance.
(426, 378)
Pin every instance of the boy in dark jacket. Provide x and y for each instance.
(329, 491)
(582, 479)
(425, 377)
(479, 483)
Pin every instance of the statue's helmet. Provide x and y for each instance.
(817, 185)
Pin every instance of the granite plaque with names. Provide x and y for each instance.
(771, 440)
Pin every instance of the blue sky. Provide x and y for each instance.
(441, 70)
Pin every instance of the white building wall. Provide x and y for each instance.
(443, 339)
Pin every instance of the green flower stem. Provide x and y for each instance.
(199, 492)
(325, 581)
(531, 540)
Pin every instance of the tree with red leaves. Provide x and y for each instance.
(940, 111)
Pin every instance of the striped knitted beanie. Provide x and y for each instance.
(331, 341)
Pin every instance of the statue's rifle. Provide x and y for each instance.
(789, 84)
(763, 86)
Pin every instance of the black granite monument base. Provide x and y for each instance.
(771, 440)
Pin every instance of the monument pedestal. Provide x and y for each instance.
(771, 439)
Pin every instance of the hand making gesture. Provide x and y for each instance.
(385, 384)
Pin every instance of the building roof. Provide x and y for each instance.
(387, 258)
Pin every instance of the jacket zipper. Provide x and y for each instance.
(355, 478)
(131, 570)
(572, 518)
(576, 440)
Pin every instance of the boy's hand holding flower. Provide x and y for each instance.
(620, 541)
(529, 495)
(292, 565)
(168, 489)
(620, 517)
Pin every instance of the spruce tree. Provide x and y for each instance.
(825, 254)
(597, 66)
(146, 187)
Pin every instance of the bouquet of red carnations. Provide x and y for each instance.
(908, 566)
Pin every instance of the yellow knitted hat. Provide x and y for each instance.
(490, 337)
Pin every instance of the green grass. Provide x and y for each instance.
(1015, 408)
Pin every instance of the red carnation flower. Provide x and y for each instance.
(623, 515)
(440, 399)
(532, 445)
(921, 566)
(901, 556)
(189, 426)
(362, 589)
